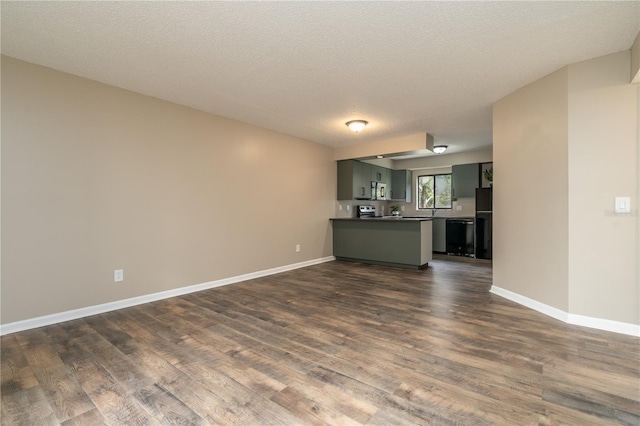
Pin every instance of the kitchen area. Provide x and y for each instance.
(386, 215)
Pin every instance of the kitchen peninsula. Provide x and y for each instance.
(394, 241)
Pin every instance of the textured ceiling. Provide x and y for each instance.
(305, 68)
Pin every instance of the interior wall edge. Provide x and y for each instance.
(74, 314)
(566, 317)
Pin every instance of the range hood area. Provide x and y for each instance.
(410, 146)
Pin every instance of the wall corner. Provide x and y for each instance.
(635, 60)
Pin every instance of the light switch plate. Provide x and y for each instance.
(623, 205)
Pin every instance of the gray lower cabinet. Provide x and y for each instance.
(440, 235)
(401, 185)
(399, 243)
(354, 180)
(465, 178)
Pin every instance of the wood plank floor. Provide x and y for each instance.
(335, 344)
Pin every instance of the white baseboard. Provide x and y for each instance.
(28, 324)
(605, 324)
(530, 303)
(585, 321)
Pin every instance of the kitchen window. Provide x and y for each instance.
(434, 191)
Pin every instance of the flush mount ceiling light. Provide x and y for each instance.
(356, 125)
(439, 149)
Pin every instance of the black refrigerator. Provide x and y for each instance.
(484, 228)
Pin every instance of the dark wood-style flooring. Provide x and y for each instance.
(335, 344)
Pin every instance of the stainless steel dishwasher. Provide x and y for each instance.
(460, 236)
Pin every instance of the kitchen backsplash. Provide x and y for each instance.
(383, 208)
(349, 207)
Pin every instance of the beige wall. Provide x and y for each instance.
(603, 153)
(564, 147)
(95, 178)
(530, 190)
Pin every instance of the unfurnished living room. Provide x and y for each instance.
(324, 213)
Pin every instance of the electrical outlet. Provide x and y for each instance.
(118, 275)
(348, 207)
(459, 208)
(401, 208)
(297, 248)
(340, 207)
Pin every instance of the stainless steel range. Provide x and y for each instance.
(366, 211)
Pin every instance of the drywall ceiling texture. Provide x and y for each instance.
(305, 68)
(95, 178)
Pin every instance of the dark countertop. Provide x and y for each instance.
(459, 218)
(385, 219)
(402, 218)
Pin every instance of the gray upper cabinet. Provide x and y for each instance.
(380, 174)
(354, 180)
(465, 178)
(401, 185)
